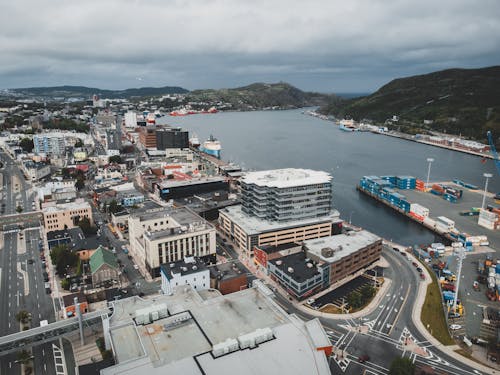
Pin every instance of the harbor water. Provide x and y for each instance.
(280, 139)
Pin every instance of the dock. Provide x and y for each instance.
(403, 212)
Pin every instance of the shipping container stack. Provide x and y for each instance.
(406, 182)
(448, 193)
(444, 225)
(418, 211)
(419, 185)
(383, 186)
(489, 218)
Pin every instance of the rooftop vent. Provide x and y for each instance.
(195, 268)
(184, 269)
(327, 252)
(309, 265)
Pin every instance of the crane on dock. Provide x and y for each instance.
(493, 150)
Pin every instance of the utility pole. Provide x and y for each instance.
(429, 160)
(461, 256)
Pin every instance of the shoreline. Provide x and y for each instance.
(409, 137)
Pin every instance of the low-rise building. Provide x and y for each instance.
(103, 267)
(300, 276)
(64, 215)
(345, 253)
(189, 271)
(263, 254)
(168, 235)
(183, 334)
(69, 306)
(35, 171)
(228, 277)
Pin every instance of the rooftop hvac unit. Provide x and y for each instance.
(195, 268)
(290, 269)
(228, 346)
(279, 262)
(309, 265)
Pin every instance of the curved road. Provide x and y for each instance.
(382, 333)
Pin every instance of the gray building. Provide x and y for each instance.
(283, 195)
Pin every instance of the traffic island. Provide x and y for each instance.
(432, 315)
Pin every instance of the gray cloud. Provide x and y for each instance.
(322, 45)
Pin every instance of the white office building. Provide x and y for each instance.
(167, 235)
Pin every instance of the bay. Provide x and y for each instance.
(289, 139)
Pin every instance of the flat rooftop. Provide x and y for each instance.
(227, 271)
(288, 177)
(176, 183)
(185, 348)
(296, 262)
(254, 225)
(183, 267)
(182, 215)
(342, 244)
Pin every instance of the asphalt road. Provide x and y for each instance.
(384, 330)
(22, 286)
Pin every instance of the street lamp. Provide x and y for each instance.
(350, 217)
(488, 176)
(429, 160)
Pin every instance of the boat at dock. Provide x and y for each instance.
(211, 146)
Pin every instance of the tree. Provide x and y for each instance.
(79, 184)
(63, 258)
(355, 299)
(402, 366)
(86, 226)
(23, 317)
(367, 292)
(26, 144)
(115, 159)
(65, 173)
(19, 209)
(78, 143)
(114, 207)
(65, 284)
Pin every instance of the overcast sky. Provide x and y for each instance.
(327, 46)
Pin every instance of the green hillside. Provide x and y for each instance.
(458, 101)
(262, 95)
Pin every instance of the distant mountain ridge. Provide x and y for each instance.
(263, 95)
(457, 101)
(83, 91)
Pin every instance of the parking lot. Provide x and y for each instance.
(339, 295)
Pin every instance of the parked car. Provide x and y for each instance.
(422, 276)
(30, 261)
(395, 249)
(419, 269)
(455, 327)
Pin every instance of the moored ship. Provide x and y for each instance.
(212, 147)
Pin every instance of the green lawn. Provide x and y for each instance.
(433, 314)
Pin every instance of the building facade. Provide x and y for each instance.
(286, 194)
(247, 231)
(168, 235)
(346, 253)
(167, 138)
(61, 216)
(49, 144)
(189, 271)
(147, 136)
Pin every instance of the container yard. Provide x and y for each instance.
(451, 209)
